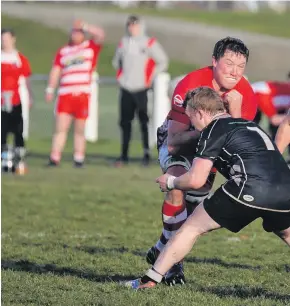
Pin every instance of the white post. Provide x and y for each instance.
(24, 97)
(91, 130)
(161, 104)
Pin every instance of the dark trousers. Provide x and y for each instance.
(130, 103)
(12, 122)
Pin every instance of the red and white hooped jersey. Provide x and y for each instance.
(272, 97)
(77, 63)
(13, 66)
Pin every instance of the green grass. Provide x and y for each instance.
(70, 235)
(265, 22)
(40, 43)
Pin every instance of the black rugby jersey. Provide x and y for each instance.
(257, 174)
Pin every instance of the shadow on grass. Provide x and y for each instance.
(31, 267)
(90, 158)
(219, 262)
(122, 250)
(237, 291)
(245, 292)
(196, 260)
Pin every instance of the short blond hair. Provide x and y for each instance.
(206, 99)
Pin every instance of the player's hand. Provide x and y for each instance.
(234, 100)
(49, 97)
(78, 24)
(277, 119)
(162, 181)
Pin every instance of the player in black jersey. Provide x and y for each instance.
(257, 186)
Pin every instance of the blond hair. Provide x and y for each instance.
(206, 99)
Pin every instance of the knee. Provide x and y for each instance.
(125, 123)
(60, 132)
(79, 131)
(143, 117)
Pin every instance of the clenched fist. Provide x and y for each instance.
(234, 100)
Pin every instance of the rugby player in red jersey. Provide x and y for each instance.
(176, 136)
(14, 66)
(72, 68)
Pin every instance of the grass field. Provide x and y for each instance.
(70, 235)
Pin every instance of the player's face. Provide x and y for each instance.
(196, 118)
(229, 69)
(134, 29)
(8, 41)
(77, 37)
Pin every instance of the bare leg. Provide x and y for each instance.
(284, 235)
(180, 245)
(79, 140)
(62, 125)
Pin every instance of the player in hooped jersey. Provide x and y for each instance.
(257, 185)
(14, 65)
(73, 66)
(273, 100)
(175, 136)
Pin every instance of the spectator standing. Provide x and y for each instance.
(138, 59)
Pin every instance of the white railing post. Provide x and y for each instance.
(161, 104)
(91, 130)
(24, 97)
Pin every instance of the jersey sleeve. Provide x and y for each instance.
(265, 102)
(25, 66)
(211, 141)
(95, 46)
(177, 111)
(56, 61)
(250, 103)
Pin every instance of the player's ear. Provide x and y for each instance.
(214, 61)
(200, 114)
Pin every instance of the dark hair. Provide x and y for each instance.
(232, 44)
(133, 19)
(206, 99)
(288, 76)
(6, 30)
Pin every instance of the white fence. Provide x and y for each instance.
(158, 102)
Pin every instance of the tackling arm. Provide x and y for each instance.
(282, 138)
(195, 178)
